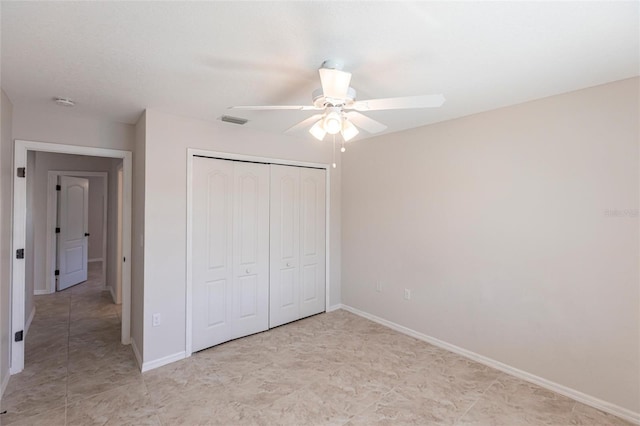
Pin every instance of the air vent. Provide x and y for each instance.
(234, 120)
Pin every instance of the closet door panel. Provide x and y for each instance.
(312, 241)
(285, 245)
(250, 249)
(212, 251)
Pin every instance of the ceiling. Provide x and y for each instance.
(198, 58)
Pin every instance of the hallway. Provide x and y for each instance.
(72, 352)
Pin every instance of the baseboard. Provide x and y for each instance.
(592, 401)
(136, 353)
(29, 320)
(334, 307)
(5, 382)
(99, 259)
(146, 366)
(40, 292)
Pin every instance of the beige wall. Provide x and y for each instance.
(96, 217)
(6, 176)
(69, 128)
(516, 231)
(167, 140)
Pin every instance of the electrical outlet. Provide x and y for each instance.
(407, 294)
(155, 320)
(378, 286)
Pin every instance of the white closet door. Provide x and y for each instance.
(250, 248)
(73, 219)
(297, 243)
(285, 245)
(312, 241)
(230, 250)
(212, 273)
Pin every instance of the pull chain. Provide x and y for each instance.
(334, 151)
(342, 148)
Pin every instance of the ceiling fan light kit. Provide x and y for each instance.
(339, 110)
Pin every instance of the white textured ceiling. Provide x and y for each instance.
(196, 59)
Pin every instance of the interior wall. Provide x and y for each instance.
(45, 162)
(96, 217)
(6, 205)
(66, 127)
(137, 238)
(516, 231)
(167, 139)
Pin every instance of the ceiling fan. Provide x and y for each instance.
(338, 109)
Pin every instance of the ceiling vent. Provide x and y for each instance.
(234, 120)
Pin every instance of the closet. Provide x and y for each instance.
(258, 247)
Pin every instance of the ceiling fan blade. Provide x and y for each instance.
(276, 107)
(425, 101)
(304, 124)
(335, 83)
(364, 122)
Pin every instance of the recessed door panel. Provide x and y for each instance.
(286, 289)
(248, 297)
(218, 219)
(309, 283)
(216, 303)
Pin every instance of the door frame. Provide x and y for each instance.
(191, 153)
(52, 203)
(19, 236)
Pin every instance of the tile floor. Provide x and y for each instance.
(333, 369)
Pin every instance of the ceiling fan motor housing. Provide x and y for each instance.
(320, 101)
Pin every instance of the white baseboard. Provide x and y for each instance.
(5, 382)
(99, 259)
(40, 292)
(146, 366)
(29, 320)
(334, 307)
(136, 353)
(592, 401)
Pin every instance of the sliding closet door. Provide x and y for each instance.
(297, 243)
(230, 250)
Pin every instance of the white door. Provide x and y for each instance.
(284, 294)
(73, 221)
(230, 272)
(297, 243)
(312, 242)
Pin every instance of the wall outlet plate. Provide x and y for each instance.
(155, 320)
(407, 294)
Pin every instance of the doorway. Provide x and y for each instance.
(19, 237)
(99, 206)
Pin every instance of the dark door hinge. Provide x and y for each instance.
(58, 188)
(19, 336)
(57, 272)
(22, 172)
(20, 254)
(124, 259)
(57, 230)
